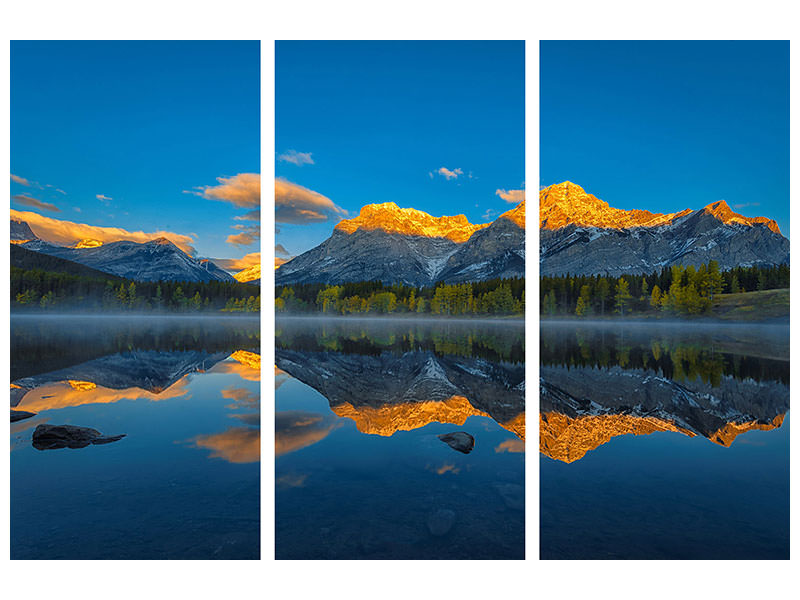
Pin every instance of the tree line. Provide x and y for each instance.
(491, 297)
(674, 360)
(46, 290)
(675, 290)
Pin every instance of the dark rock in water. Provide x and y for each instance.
(513, 495)
(459, 440)
(18, 415)
(441, 522)
(53, 437)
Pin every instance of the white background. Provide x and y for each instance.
(412, 19)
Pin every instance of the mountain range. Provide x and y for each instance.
(155, 260)
(403, 245)
(582, 235)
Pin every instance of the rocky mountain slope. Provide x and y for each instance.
(582, 235)
(402, 245)
(21, 232)
(156, 260)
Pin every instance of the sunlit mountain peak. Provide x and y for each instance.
(516, 215)
(391, 218)
(89, 243)
(566, 203)
(723, 212)
(249, 274)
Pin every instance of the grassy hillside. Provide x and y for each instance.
(752, 306)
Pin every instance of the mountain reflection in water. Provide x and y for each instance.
(599, 383)
(718, 384)
(360, 406)
(186, 393)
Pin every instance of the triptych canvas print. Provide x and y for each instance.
(401, 301)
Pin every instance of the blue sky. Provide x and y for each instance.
(114, 134)
(368, 122)
(665, 126)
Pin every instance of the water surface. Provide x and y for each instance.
(360, 470)
(664, 441)
(184, 481)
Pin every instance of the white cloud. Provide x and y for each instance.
(104, 198)
(296, 158)
(448, 174)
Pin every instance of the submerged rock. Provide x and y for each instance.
(459, 440)
(440, 522)
(53, 437)
(18, 415)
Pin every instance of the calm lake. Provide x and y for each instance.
(361, 472)
(184, 481)
(664, 441)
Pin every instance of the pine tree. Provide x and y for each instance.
(602, 293)
(655, 297)
(622, 295)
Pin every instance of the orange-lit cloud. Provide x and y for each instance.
(242, 190)
(512, 196)
(26, 200)
(447, 468)
(20, 180)
(63, 394)
(512, 445)
(68, 232)
(249, 234)
(239, 264)
(236, 445)
(299, 205)
(291, 480)
(103, 198)
(242, 398)
(295, 429)
(296, 158)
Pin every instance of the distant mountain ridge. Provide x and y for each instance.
(155, 260)
(401, 245)
(582, 235)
